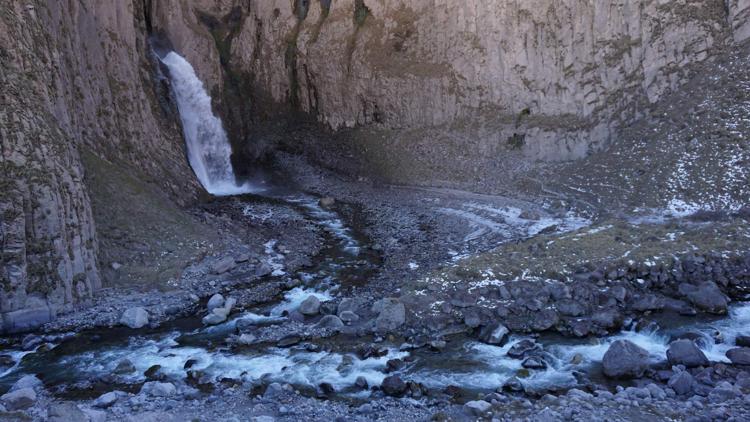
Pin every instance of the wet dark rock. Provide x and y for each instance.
(124, 367)
(742, 341)
(685, 352)
(624, 359)
(289, 341)
(6, 361)
(394, 365)
(522, 348)
(189, 363)
(513, 384)
(361, 382)
(534, 362)
(370, 351)
(155, 373)
(739, 356)
(326, 389)
(30, 342)
(496, 334)
(393, 386)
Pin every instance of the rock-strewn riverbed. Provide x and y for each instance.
(371, 303)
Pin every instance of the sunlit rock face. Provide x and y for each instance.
(493, 81)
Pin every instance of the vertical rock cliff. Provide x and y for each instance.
(75, 75)
(443, 91)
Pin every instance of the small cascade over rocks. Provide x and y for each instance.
(208, 147)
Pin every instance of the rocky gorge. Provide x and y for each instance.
(375, 210)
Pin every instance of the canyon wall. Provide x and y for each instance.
(437, 88)
(74, 75)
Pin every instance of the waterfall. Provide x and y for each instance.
(208, 146)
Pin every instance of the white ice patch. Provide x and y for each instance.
(507, 222)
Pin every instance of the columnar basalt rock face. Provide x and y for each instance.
(73, 74)
(493, 81)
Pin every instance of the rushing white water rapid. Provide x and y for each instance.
(208, 147)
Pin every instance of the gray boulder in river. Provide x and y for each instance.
(685, 352)
(625, 359)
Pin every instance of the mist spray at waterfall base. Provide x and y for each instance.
(208, 148)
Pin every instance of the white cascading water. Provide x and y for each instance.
(208, 147)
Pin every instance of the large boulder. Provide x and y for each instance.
(220, 314)
(65, 412)
(477, 408)
(223, 265)
(330, 321)
(105, 400)
(392, 315)
(682, 383)
(393, 386)
(19, 399)
(134, 318)
(739, 356)
(158, 389)
(625, 359)
(685, 352)
(26, 381)
(309, 306)
(216, 301)
(706, 297)
(494, 334)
